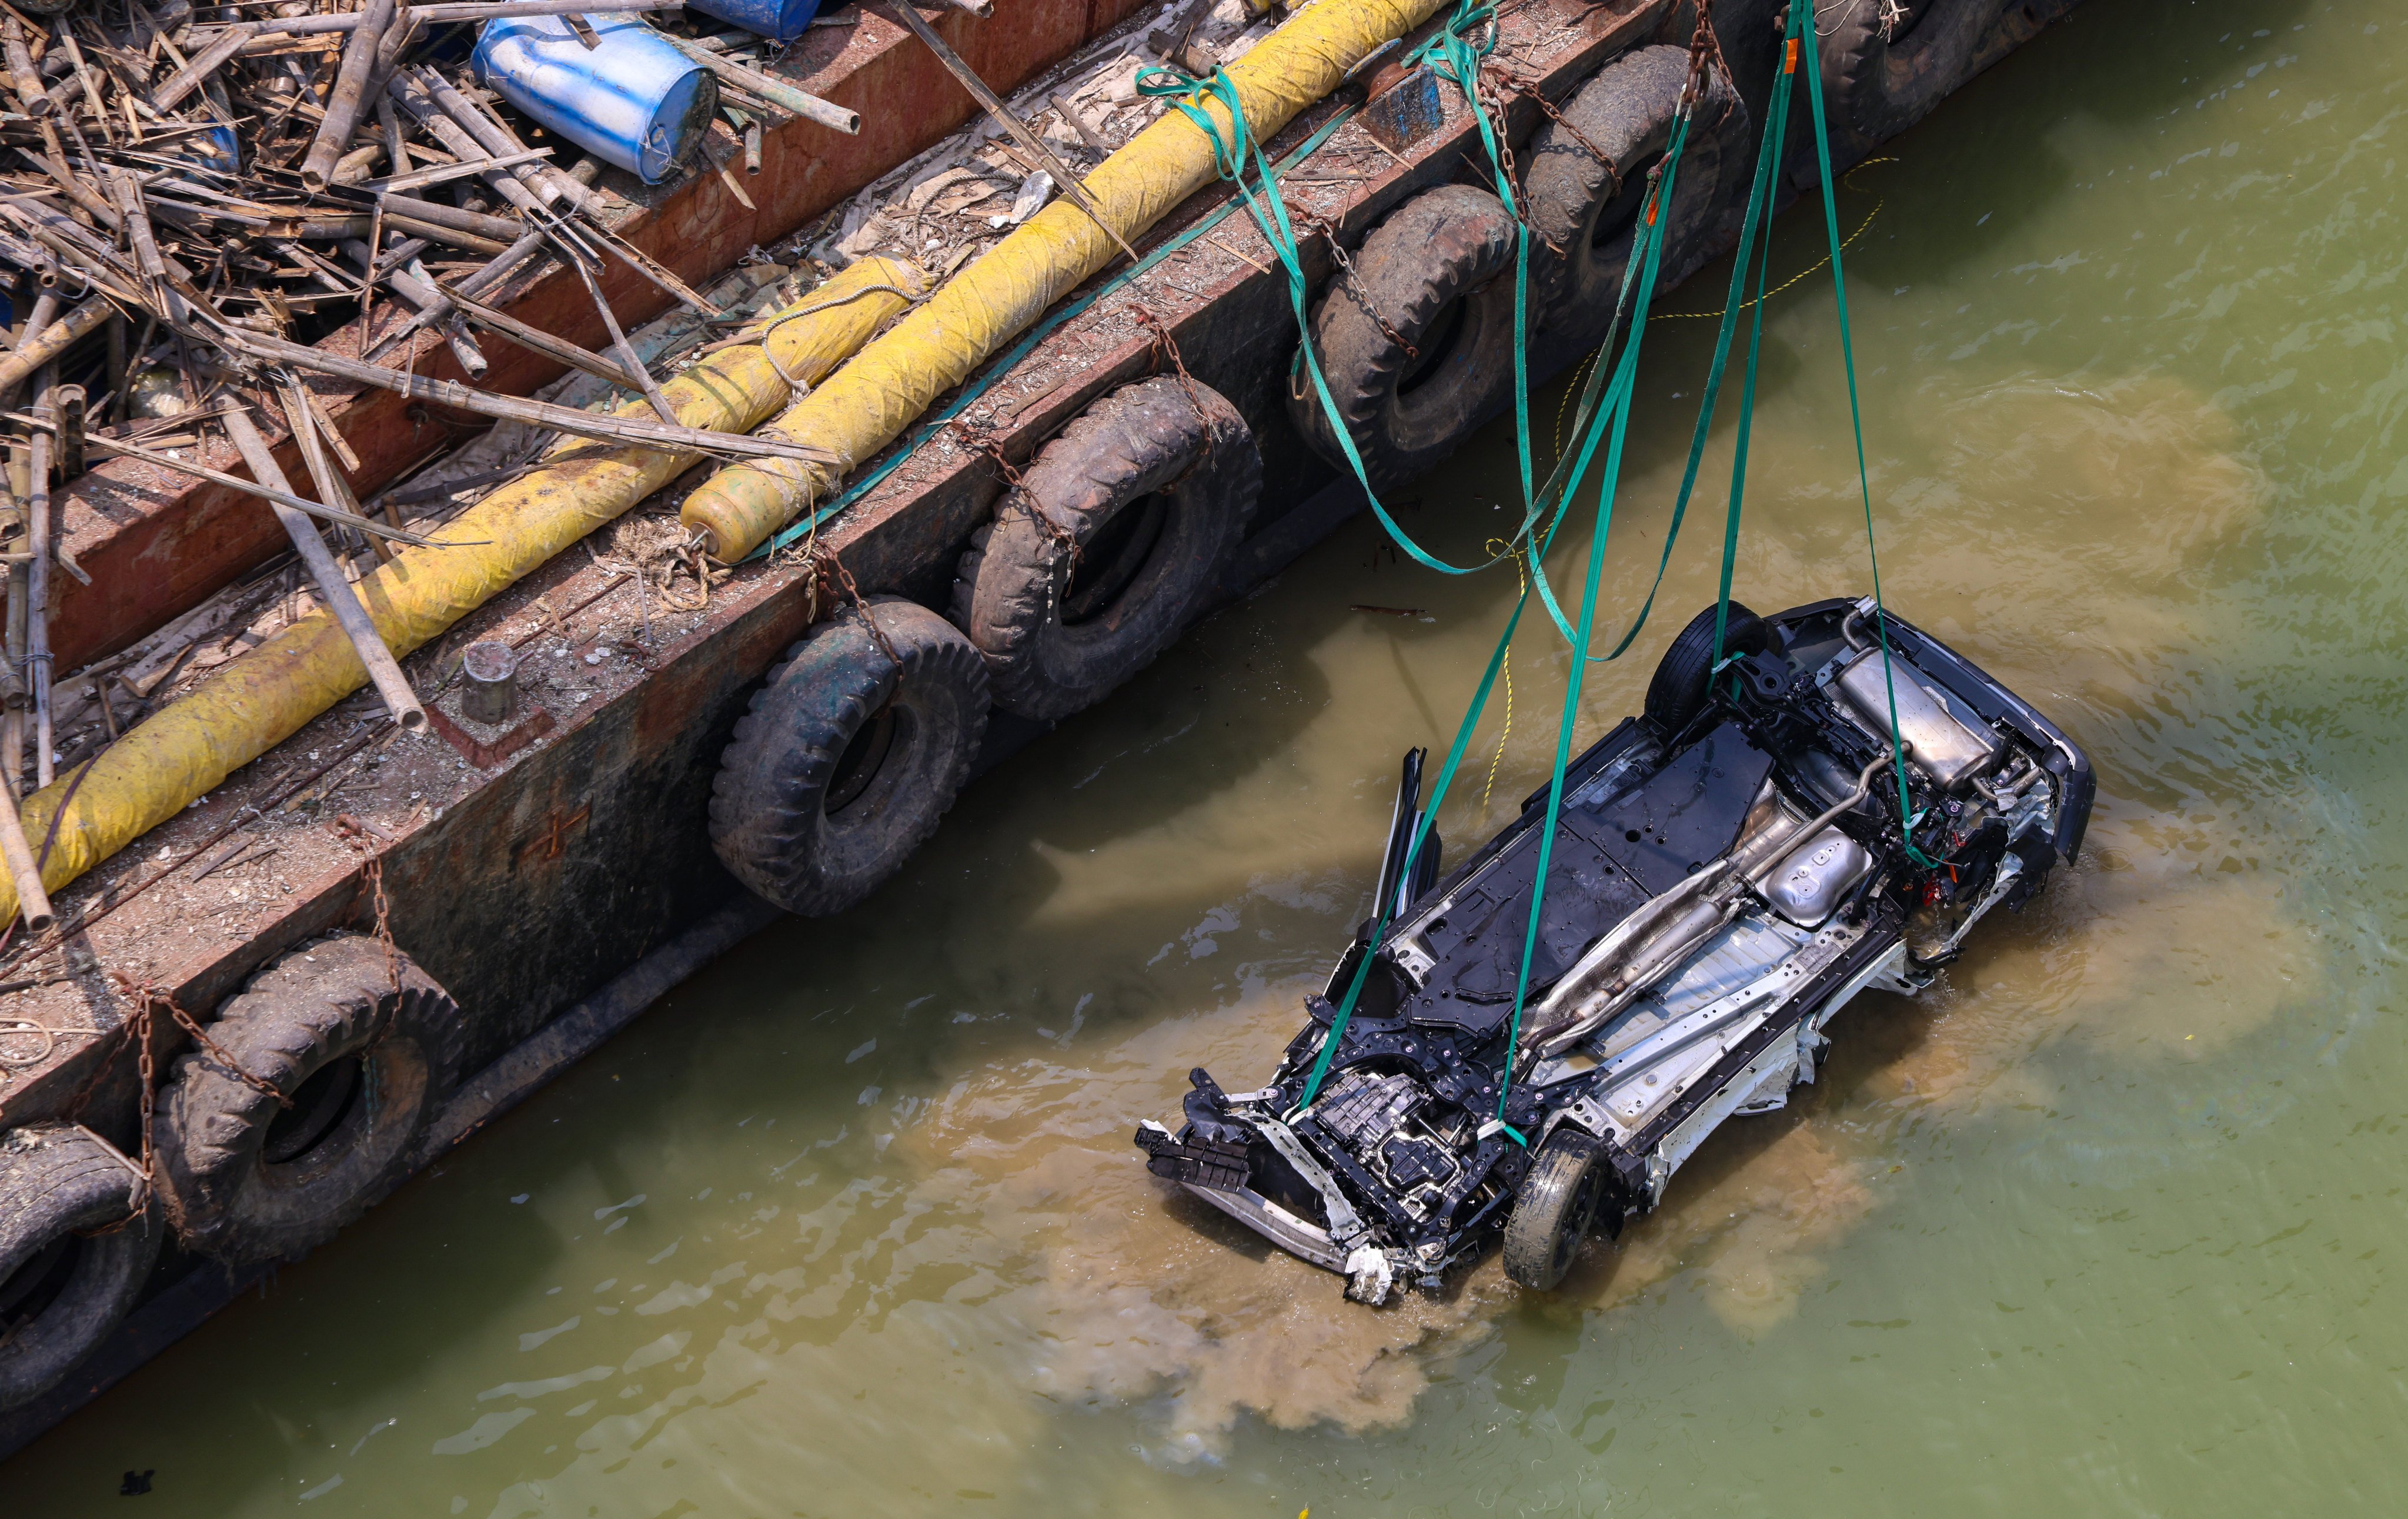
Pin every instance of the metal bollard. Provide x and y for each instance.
(489, 682)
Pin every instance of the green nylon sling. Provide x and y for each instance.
(1770, 167)
(1645, 264)
(1907, 820)
(1759, 211)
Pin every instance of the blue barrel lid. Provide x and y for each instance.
(633, 101)
(781, 21)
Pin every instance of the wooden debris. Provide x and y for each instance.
(193, 201)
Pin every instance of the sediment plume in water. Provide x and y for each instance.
(1136, 1295)
(2171, 937)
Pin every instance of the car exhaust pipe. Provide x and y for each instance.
(1659, 934)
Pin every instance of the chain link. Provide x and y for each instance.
(832, 565)
(147, 998)
(980, 441)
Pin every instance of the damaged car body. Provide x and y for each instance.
(1728, 871)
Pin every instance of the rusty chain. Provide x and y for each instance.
(147, 997)
(1492, 100)
(1165, 345)
(1353, 285)
(356, 833)
(832, 569)
(1531, 92)
(978, 439)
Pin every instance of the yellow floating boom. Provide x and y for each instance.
(257, 701)
(868, 403)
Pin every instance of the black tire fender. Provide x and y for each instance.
(848, 756)
(1438, 274)
(1552, 1212)
(1678, 688)
(1886, 65)
(74, 1253)
(1585, 214)
(1109, 545)
(363, 1044)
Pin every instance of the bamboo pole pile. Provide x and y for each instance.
(202, 208)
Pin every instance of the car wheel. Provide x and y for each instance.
(1679, 688)
(1555, 1209)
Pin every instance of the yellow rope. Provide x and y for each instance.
(1565, 405)
(1846, 183)
(1499, 547)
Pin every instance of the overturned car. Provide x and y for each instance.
(1728, 870)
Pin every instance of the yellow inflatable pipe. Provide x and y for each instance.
(256, 702)
(872, 400)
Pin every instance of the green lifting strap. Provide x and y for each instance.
(1769, 167)
(1640, 273)
(1759, 212)
(1232, 156)
(1610, 426)
(1907, 819)
(1768, 174)
(1453, 58)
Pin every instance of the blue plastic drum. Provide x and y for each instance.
(779, 20)
(634, 101)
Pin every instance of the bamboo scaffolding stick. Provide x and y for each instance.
(37, 583)
(628, 355)
(536, 340)
(441, 173)
(561, 418)
(771, 87)
(30, 92)
(343, 602)
(205, 63)
(56, 337)
(399, 207)
(33, 902)
(468, 10)
(350, 95)
(218, 477)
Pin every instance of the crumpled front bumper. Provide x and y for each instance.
(1216, 1170)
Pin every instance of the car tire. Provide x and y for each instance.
(1590, 209)
(1416, 342)
(73, 1253)
(1553, 1209)
(364, 1044)
(1108, 547)
(1883, 74)
(1678, 689)
(849, 756)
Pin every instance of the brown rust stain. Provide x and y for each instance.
(547, 843)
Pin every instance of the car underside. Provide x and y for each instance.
(1728, 871)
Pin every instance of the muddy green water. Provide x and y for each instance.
(2105, 1224)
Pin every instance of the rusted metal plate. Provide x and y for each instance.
(484, 753)
(1405, 112)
